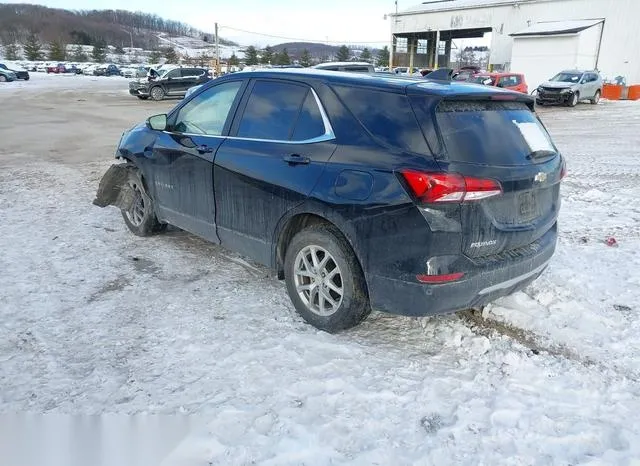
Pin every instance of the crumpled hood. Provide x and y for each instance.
(557, 85)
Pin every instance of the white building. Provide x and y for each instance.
(536, 37)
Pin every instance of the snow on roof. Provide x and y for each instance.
(558, 27)
(445, 5)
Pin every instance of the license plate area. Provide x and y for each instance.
(527, 206)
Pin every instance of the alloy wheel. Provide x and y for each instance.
(136, 213)
(318, 280)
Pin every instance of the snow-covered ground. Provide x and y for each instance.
(95, 320)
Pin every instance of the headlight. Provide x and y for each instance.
(540, 90)
(566, 91)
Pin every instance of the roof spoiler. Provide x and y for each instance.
(441, 74)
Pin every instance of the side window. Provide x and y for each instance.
(387, 116)
(272, 110)
(173, 73)
(191, 72)
(208, 112)
(357, 69)
(517, 79)
(310, 124)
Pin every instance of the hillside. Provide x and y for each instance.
(115, 27)
(318, 51)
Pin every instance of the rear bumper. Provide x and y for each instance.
(22, 75)
(483, 285)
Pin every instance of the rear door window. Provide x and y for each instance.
(387, 116)
(310, 124)
(491, 133)
(272, 110)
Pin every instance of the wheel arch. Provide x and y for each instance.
(299, 219)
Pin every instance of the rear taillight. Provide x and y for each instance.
(449, 187)
(563, 170)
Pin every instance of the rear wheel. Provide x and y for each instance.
(575, 98)
(141, 218)
(324, 279)
(3, 78)
(596, 98)
(157, 93)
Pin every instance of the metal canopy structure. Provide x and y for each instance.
(429, 49)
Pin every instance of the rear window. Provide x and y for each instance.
(491, 133)
(387, 116)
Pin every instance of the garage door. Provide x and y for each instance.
(540, 58)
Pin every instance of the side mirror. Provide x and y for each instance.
(157, 122)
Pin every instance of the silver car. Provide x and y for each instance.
(570, 87)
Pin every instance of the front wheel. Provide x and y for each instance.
(575, 98)
(324, 279)
(3, 79)
(596, 98)
(157, 93)
(140, 218)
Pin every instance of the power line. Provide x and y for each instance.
(297, 39)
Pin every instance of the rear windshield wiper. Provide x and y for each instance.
(536, 154)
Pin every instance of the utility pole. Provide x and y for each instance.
(217, 53)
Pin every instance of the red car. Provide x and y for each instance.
(511, 81)
(59, 68)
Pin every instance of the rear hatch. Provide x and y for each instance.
(503, 141)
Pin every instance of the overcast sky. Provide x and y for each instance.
(357, 21)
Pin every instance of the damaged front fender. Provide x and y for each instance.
(114, 188)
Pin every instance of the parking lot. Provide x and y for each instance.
(97, 320)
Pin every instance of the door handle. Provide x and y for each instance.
(295, 159)
(204, 149)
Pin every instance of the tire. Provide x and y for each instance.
(3, 78)
(27, 78)
(141, 218)
(156, 93)
(348, 309)
(596, 98)
(143, 97)
(575, 98)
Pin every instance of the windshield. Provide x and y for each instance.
(567, 77)
(491, 133)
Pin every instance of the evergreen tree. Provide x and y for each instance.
(383, 56)
(119, 50)
(11, 51)
(365, 55)
(155, 56)
(57, 51)
(283, 58)
(78, 54)
(99, 53)
(233, 60)
(251, 56)
(171, 55)
(343, 53)
(267, 55)
(305, 58)
(33, 48)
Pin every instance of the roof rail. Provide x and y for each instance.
(441, 74)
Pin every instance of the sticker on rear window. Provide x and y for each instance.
(535, 137)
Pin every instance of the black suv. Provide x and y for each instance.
(411, 196)
(173, 82)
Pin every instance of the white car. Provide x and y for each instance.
(41, 67)
(129, 72)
